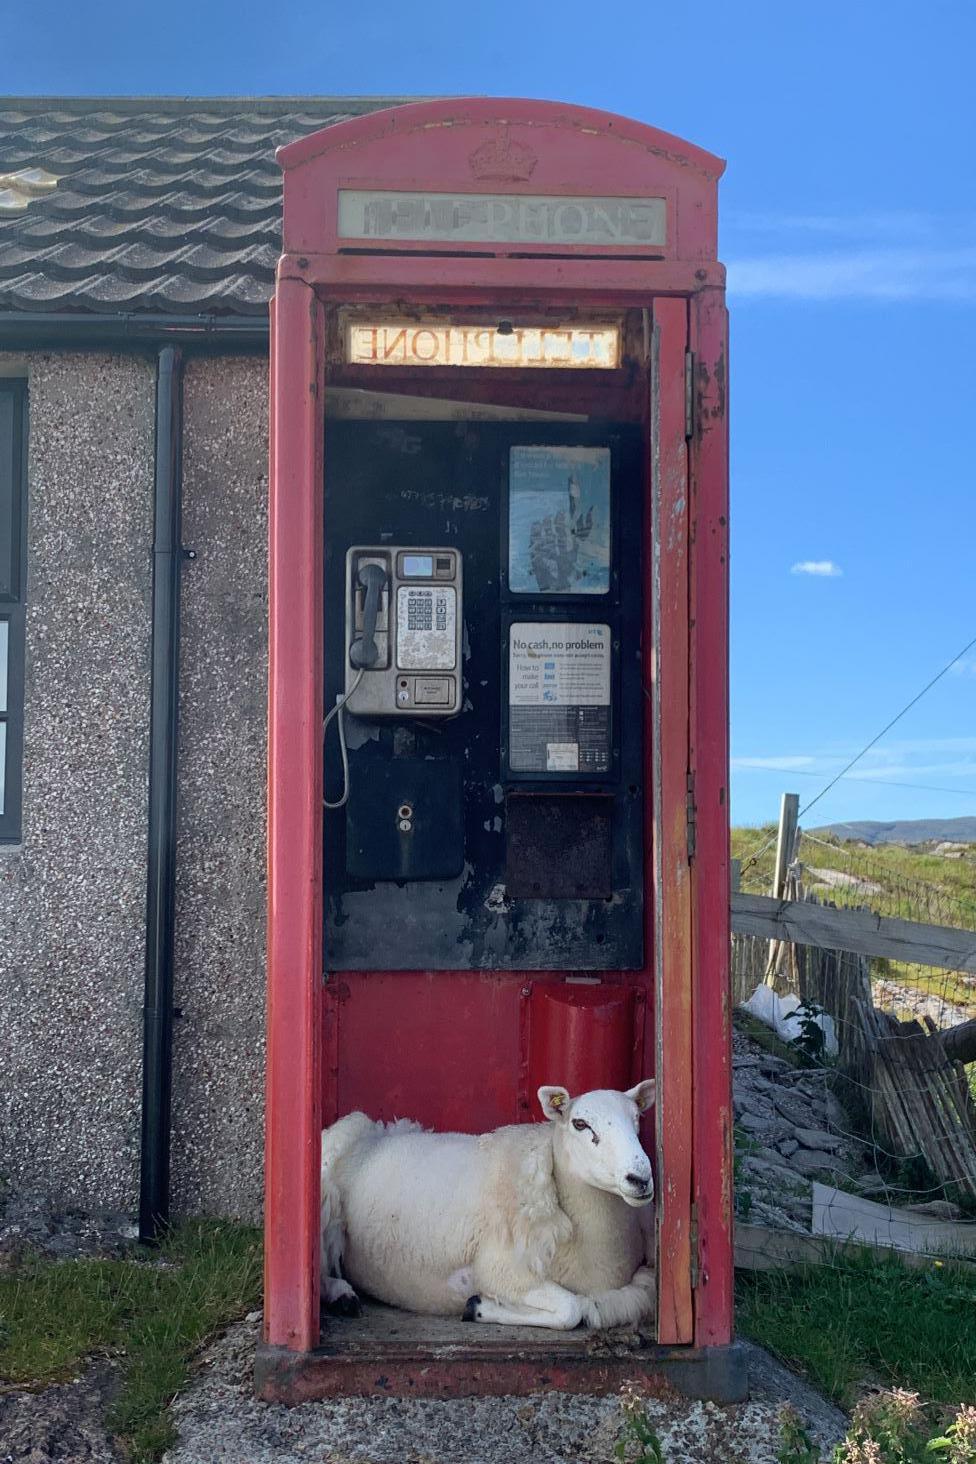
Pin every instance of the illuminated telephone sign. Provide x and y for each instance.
(413, 343)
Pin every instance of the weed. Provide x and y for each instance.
(795, 1444)
(887, 1428)
(958, 1444)
(637, 1443)
(57, 1312)
(811, 1041)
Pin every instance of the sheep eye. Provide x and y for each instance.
(579, 1125)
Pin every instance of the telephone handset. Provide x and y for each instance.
(364, 652)
(404, 620)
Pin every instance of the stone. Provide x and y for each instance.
(768, 1129)
(749, 1103)
(776, 1217)
(818, 1161)
(787, 1147)
(941, 1209)
(812, 1138)
(768, 1171)
(770, 1065)
(766, 1086)
(793, 1109)
(870, 1184)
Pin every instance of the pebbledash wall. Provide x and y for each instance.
(72, 895)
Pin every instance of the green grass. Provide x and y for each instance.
(870, 1320)
(915, 884)
(55, 1313)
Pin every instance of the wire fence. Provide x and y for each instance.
(854, 1112)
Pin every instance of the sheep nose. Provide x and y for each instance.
(637, 1181)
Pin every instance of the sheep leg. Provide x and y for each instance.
(336, 1295)
(624, 1306)
(339, 1298)
(548, 1305)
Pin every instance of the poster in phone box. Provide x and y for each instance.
(559, 520)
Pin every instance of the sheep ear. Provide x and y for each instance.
(555, 1102)
(643, 1094)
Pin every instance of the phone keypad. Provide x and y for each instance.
(420, 611)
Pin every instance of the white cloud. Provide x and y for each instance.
(825, 568)
(963, 667)
(959, 769)
(901, 747)
(858, 274)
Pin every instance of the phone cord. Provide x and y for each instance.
(337, 712)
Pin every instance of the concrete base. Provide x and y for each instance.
(393, 1352)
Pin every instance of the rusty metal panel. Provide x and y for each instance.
(559, 846)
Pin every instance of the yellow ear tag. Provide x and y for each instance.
(556, 1101)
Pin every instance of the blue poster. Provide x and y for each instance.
(559, 520)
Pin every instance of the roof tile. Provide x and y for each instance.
(162, 204)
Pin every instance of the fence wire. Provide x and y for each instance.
(887, 1117)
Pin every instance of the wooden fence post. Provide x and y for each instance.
(789, 810)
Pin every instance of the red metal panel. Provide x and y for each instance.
(294, 823)
(356, 277)
(710, 876)
(581, 1037)
(672, 879)
(440, 1047)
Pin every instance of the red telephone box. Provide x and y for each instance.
(498, 396)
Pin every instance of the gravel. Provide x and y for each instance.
(62, 1423)
(221, 1422)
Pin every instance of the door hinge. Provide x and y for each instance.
(691, 817)
(693, 1246)
(689, 393)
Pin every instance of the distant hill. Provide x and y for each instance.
(906, 831)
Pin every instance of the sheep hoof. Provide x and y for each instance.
(348, 1305)
(470, 1313)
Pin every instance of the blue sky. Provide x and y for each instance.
(849, 228)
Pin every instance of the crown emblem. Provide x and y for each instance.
(503, 161)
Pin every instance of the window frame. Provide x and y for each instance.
(13, 611)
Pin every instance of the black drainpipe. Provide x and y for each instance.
(163, 731)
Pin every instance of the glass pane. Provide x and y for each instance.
(3, 764)
(4, 643)
(559, 520)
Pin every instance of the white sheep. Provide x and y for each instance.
(540, 1225)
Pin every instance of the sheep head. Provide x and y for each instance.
(598, 1134)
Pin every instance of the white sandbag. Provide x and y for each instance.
(786, 1015)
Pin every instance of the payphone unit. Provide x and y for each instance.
(404, 617)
